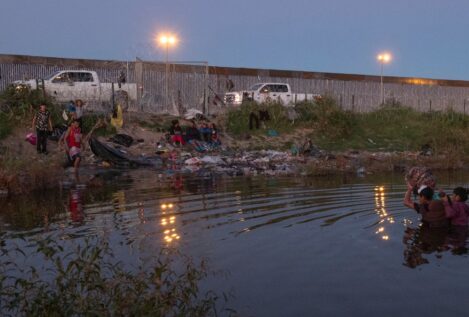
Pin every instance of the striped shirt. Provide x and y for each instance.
(42, 120)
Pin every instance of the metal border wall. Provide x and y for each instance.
(195, 85)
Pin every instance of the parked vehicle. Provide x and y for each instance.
(267, 92)
(68, 85)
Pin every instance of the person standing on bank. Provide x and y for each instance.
(43, 124)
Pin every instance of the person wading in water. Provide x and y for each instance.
(72, 141)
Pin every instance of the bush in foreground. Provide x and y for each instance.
(87, 281)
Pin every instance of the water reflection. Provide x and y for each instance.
(118, 201)
(168, 222)
(75, 206)
(167, 207)
(380, 209)
(424, 240)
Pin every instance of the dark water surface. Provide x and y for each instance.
(327, 246)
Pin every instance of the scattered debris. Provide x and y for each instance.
(122, 139)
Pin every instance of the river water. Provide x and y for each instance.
(285, 246)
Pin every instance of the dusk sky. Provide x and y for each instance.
(428, 38)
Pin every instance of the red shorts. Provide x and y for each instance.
(177, 138)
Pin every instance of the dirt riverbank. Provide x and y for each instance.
(22, 170)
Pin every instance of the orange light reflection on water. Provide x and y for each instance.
(380, 208)
(168, 222)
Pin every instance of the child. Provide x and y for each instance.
(206, 132)
(215, 140)
(72, 140)
(192, 133)
(432, 211)
(455, 208)
(176, 133)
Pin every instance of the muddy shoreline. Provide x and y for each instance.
(48, 173)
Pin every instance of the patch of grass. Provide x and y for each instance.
(160, 123)
(89, 120)
(6, 125)
(391, 127)
(17, 106)
(18, 175)
(237, 120)
(399, 128)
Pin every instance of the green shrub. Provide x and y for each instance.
(86, 280)
(6, 125)
(330, 120)
(17, 105)
(89, 120)
(20, 99)
(306, 111)
(238, 118)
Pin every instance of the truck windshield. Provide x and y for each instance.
(51, 76)
(255, 87)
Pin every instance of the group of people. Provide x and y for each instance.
(205, 132)
(70, 140)
(75, 110)
(437, 209)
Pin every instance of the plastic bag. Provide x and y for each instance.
(31, 138)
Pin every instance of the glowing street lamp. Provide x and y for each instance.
(167, 41)
(383, 58)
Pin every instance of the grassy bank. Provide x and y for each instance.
(391, 127)
(17, 107)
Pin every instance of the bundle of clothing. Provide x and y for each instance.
(419, 176)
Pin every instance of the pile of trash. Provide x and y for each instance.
(246, 163)
(188, 160)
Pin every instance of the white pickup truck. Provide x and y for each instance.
(268, 92)
(68, 85)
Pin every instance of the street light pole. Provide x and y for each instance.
(382, 86)
(383, 58)
(166, 41)
(166, 70)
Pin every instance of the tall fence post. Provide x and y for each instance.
(353, 103)
(464, 107)
(430, 105)
(206, 79)
(139, 82)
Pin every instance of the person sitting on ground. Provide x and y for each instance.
(176, 133)
(192, 133)
(456, 209)
(72, 142)
(432, 211)
(214, 140)
(206, 132)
